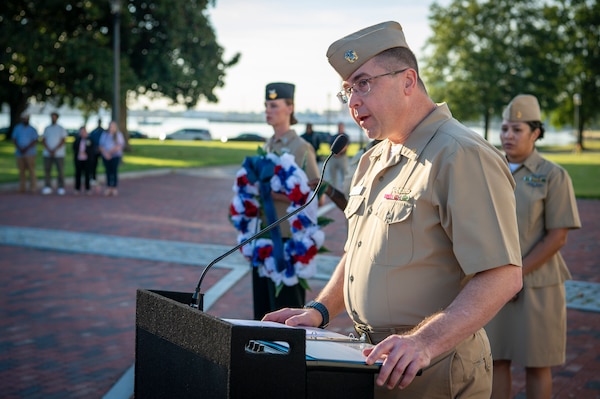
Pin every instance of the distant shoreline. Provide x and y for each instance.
(230, 124)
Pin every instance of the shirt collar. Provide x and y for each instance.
(420, 136)
(286, 138)
(533, 161)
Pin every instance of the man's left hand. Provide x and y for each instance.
(403, 356)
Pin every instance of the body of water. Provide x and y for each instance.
(160, 126)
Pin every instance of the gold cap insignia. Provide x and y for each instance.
(351, 56)
(272, 94)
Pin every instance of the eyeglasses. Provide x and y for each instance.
(362, 87)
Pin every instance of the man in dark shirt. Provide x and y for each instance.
(95, 138)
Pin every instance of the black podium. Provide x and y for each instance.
(184, 353)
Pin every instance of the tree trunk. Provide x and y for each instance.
(123, 122)
(580, 123)
(17, 105)
(486, 124)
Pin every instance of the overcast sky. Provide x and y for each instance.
(287, 41)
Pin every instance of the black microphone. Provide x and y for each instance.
(198, 298)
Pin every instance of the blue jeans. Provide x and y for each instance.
(112, 166)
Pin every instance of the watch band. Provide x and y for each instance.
(321, 309)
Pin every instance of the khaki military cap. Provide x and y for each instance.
(522, 108)
(351, 52)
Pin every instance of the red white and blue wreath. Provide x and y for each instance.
(282, 175)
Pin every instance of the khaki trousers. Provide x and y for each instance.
(26, 164)
(465, 372)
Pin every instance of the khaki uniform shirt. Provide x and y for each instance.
(423, 220)
(304, 155)
(545, 200)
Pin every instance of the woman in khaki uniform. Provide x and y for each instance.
(279, 110)
(531, 329)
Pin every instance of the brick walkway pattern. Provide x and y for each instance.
(71, 266)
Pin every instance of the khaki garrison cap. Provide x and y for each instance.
(523, 108)
(351, 52)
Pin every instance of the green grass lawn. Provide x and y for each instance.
(147, 154)
(584, 168)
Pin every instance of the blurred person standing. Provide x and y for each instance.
(54, 138)
(95, 138)
(83, 153)
(25, 138)
(111, 147)
(531, 328)
(338, 167)
(312, 137)
(340, 196)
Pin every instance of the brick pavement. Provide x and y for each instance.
(67, 315)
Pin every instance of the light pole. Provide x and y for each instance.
(115, 9)
(577, 104)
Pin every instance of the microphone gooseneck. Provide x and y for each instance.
(198, 298)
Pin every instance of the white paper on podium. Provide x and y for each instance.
(321, 344)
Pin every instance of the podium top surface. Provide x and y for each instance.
(168, 315)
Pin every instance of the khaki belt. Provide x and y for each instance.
(376, 335)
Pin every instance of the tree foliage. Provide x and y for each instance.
(62, 52)
(175, 53)
(483, 53)
(578, 24)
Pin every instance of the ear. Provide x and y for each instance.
(410, 80)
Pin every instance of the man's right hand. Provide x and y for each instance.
(295, 317)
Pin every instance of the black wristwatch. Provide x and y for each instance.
(321, 309)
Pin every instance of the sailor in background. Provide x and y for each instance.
(279, 112)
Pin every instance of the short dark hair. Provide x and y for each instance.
(391, 58)
(537, 125)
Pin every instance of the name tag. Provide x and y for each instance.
(357, 190)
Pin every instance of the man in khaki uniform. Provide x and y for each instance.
(432, 251)
(338, 164)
